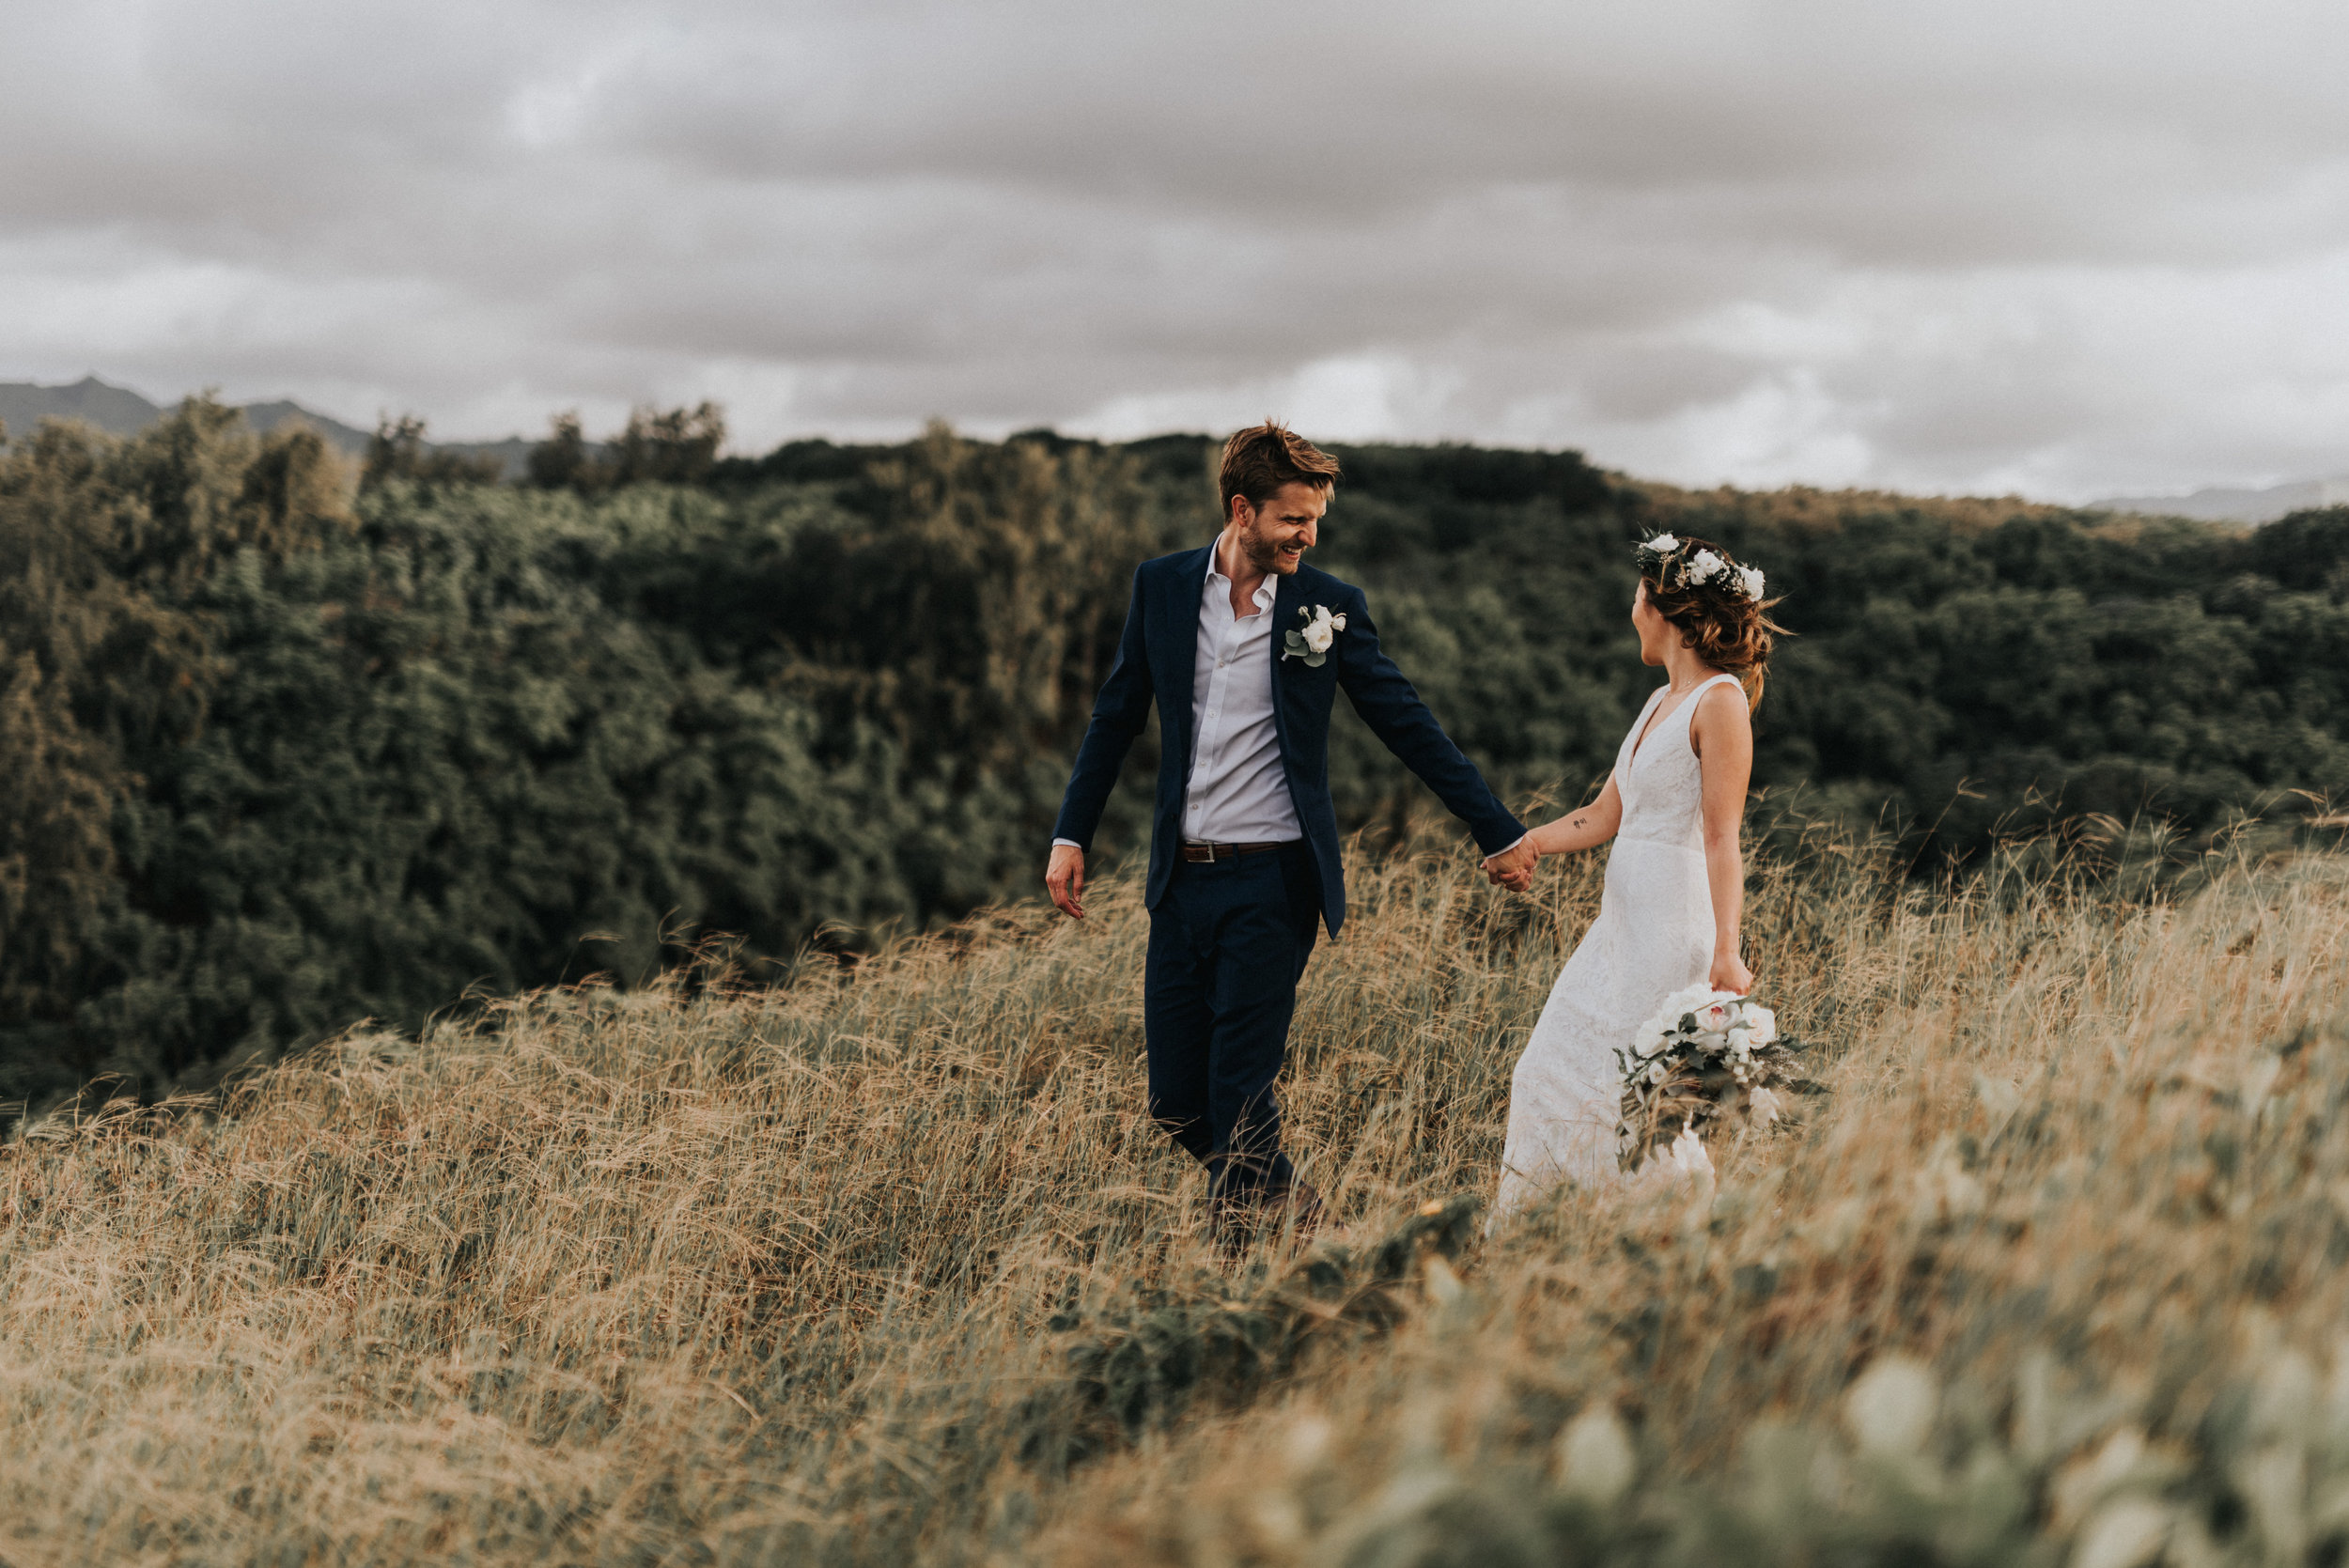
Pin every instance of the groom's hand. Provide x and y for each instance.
(1064, 879)
(1513, 868)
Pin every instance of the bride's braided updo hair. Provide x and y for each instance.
(1716, 604)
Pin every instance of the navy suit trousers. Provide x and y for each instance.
(1228, 944)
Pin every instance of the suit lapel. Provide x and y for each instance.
(1288, 595)
(1179, 653)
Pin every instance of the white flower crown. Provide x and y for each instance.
(1668, 559)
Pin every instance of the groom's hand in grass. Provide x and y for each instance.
(1513, 868)
(1064, 879)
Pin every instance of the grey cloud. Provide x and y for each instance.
(2083, 247)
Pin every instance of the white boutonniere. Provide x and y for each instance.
(1312, 642)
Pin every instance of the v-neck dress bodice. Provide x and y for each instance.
(1654, 936)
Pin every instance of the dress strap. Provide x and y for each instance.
(1688, 707)
(1724, 676)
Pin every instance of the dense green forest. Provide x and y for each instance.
(290, 745)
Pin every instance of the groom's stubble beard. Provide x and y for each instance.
(1265, 554)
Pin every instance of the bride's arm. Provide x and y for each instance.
(1585, 828)
(1725, 747)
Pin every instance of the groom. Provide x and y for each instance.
(1244, 841)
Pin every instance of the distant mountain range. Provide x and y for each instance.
(2237, 506)
(120, 411)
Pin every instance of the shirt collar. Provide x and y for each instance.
(1266, 591)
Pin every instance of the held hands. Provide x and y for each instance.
(1064, 879)
(1513, 868)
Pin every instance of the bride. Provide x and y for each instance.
(1675, 879)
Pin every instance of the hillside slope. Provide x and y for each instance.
(887, 1267)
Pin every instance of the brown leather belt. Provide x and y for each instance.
(1204, 852)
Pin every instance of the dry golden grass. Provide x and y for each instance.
(888, 1267)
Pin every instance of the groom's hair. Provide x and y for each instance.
(1262, 457)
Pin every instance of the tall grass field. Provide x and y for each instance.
(886, 1265)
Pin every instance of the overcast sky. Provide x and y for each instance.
(2046, 246)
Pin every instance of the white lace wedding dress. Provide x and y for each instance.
(1654, 935)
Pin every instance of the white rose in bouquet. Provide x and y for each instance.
(1681, 1003)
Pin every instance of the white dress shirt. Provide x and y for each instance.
(1238, 792)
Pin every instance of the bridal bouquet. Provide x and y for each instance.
(1706, 1055)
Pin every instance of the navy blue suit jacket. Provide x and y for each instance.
(1155, 657)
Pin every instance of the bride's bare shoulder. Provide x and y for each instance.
(1723, 697)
